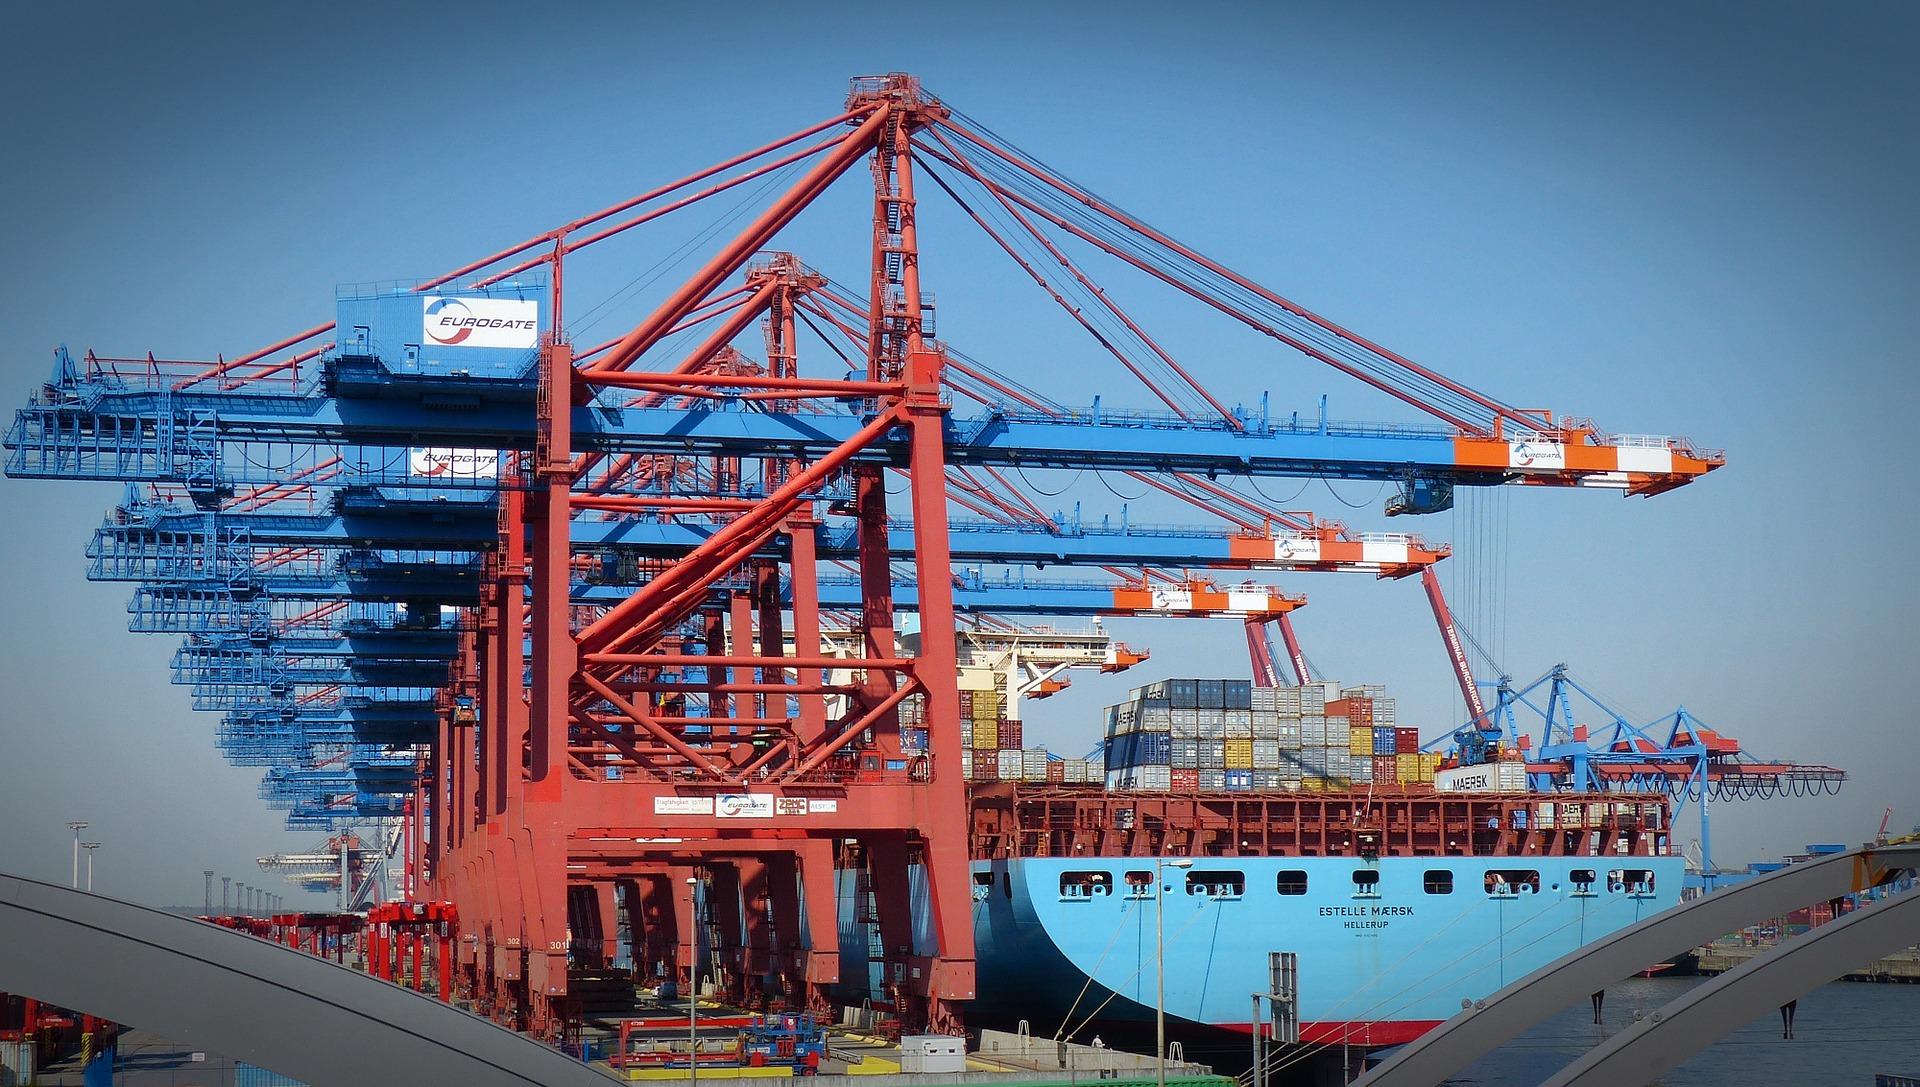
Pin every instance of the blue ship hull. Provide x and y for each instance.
(1380, 961)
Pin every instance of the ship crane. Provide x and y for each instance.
(319, 483)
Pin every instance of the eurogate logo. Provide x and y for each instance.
(448, 313)
(479, 322)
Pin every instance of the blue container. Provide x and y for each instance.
(1212, 694)
(1183, 693)
(1237, 694)
(1155, 749)
(1239, 781)
(913, 739)
(1383, 741)
(247, 1075)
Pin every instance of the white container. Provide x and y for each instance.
(16, 1062)
(1075, 772)
(923, 1054)
(1213, 781)
(1153, 778)
(1010, 762)
(1492, 777)
(1266, 754)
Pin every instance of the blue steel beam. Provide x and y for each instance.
(200, 440)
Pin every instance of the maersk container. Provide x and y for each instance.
(1237, 694)
(1211, 695)
(1491, 777)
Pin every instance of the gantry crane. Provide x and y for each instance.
(619, 541)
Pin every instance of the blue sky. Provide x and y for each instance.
(1693, 221)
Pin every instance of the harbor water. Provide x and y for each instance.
(1843, 1034)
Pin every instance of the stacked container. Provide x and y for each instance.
(1228, 735)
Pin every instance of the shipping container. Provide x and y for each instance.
(1239, 780)
(1492, 777)
(1384, 741)
(1237, 694)
(247, 1075)
(1010, 764)
(1266, 754)
(1407, 768)
(1186, 754)
(1361, 771)
(1359, 740)
(1212, 754)
(1238, 754)
(1211, 696)
(986, 735)
(1185, 780)
(1156, 749)
(1386, 769)
(1212, 781)
(1033, 764)
(17, 1062)
(1077, 772)
(1406, 740)
(1011, 734)
(1267, 780)
(1153, 778)
(1183, 693)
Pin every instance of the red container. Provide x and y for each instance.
(1406, 740)
(985, 768)
(1012, 736)
(1056, 771)
(966, 703)
(1386, 770)
(1185, 779)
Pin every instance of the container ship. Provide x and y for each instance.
(1298, 819)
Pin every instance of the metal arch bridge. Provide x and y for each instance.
(244, 997)
(1690, 1023)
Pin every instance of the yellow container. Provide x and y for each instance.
(1406, 768)
(1313, 785)
(1339, 784)
(1239, 754)
(986, 735)
(1359, 740)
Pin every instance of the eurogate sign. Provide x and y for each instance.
(479, 322)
